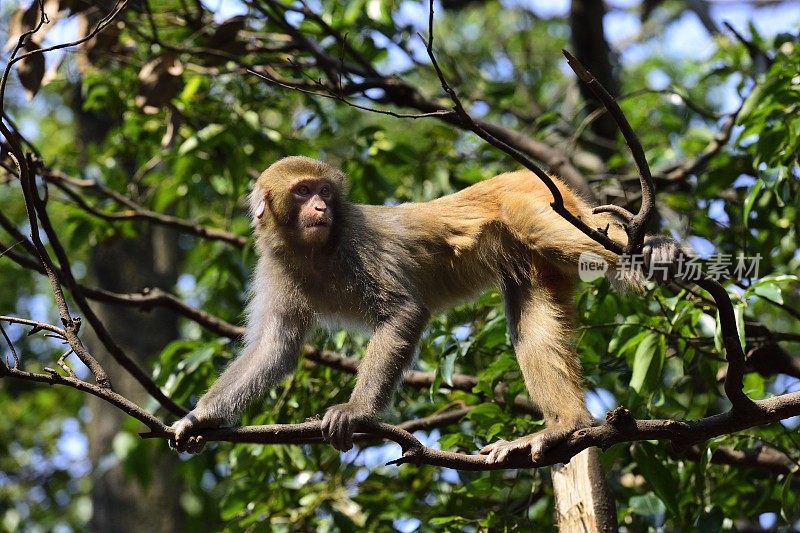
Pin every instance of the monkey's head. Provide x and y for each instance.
(298, 197)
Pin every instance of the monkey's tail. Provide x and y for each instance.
(625, 272)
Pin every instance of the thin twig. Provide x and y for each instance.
(10, 346)
(37, 211)
(138, 212)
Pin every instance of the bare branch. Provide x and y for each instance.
(620, 426)
(104, 393)
(35, 324)
(637, 224)
(136, 211)
(10, 346)
(636, 229)
(468, 123)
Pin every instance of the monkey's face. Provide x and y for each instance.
(312, 203)
(295, 200)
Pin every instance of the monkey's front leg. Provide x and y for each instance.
(272, 344)
(388, 354)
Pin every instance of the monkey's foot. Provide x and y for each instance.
(340, 422)
(184, 441)
(535, 444)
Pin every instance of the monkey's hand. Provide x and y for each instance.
(535, 444)
(661, 258)
(340, 421)
(184, 441)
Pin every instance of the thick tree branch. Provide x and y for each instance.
(620, 426)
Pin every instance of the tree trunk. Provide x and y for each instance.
(591, 48)
(121, 502)
(584, 502)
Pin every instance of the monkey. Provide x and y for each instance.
(385, 269)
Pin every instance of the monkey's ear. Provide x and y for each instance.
(261, 207)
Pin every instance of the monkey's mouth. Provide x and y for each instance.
(318, 224)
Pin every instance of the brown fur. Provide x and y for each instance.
(386, 269)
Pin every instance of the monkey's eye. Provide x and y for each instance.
(302, 190)
(325, 191)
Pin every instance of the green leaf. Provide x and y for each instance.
(738, 311)
(450, 440)
(123, 443)
(485, 413)
(202, 135)
(647, 363)
(770, 292)
(770, 286)
(193, 83)
(751, 199)
(648, 505)
(447, 366)
(197, 358)
(634, 341)
(443, 520)
(789, 500)
(755, 98)
(658, 476)
(753, 385)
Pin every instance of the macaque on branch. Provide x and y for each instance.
(326, 261)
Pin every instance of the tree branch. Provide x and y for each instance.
(620, 426)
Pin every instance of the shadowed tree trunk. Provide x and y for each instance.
(591, 48)
(121, 501)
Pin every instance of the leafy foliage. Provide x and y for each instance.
(190, 144)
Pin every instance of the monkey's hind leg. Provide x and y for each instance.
(539, 320)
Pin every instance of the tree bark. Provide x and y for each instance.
(121, 502)
(584, 502)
